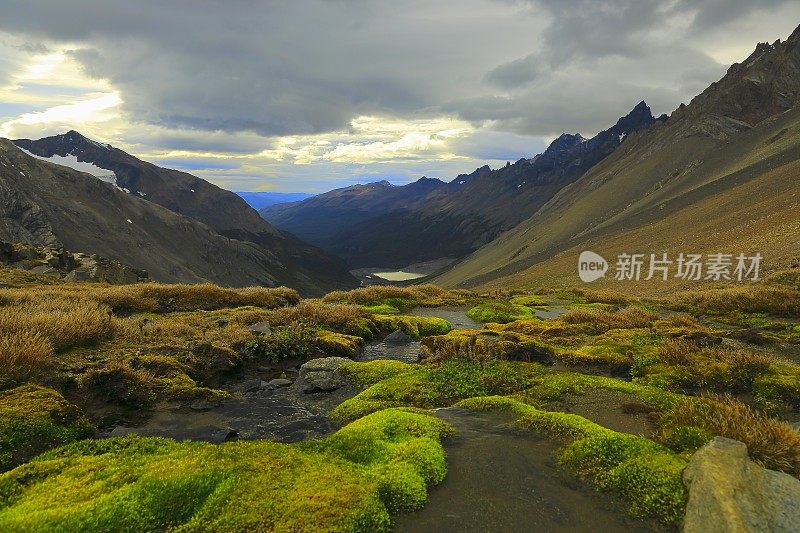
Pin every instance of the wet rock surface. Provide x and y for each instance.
(398, 338)
(320, 375)
(729, 492)
(283, 414)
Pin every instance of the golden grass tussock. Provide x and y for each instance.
(605, 296)
(157, 297)
(684, 321)
(319, 313)
(24, 356)
(421, 294)
(64, 322)
(677, 351)
(770, 442)
(629, 317)
(778, 300)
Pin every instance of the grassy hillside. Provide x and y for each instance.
(738, 195)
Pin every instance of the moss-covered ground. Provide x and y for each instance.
(75, 356)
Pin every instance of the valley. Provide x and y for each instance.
(596, 329)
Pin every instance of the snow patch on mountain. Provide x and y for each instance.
(71, 161)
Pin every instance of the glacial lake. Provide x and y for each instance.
(397, 275)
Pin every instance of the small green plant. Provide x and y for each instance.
(295, 341)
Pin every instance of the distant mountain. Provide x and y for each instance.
(719, 176)
(326, 218)
(260, 200)
(284, 258)
(379, 224)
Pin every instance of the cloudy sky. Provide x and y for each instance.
(309, 95)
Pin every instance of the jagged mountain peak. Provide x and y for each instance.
(639, 116)
(565, 141)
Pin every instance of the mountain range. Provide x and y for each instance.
(718, 174)
(175, 225)
(430, 219)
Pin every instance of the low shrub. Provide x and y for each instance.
(118, 382)
(777, 300)
(342, 318)
(161, 298)
(402, 298)
(296, 341)
(629, 317)
(770, 442)
(24, 356)
(64, 322)
(481, 346)
(684, 364)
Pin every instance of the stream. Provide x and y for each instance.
(498, 479)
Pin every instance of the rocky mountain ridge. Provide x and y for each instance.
(430, 219)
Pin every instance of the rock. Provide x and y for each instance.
(276, 383)
(45, 269)
(729, 492)
(320, 374)
(223, 435)
(398, 338)
(78, 275)
(260, 328)
(250, 385)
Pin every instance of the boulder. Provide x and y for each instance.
(398, 338)
(260, 328)
(78, 275)
(729, 492)
(320, 374)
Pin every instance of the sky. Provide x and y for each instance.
(311, 95)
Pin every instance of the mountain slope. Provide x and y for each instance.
(296, 263)
(368, 227)
(664, 187)
(46, 204)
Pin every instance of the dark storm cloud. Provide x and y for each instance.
(286, 67)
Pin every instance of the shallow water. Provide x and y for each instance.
(285, 415)
(408, 353)
(550, 312)
(457, 316)
(398, 275)
(502, 480)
